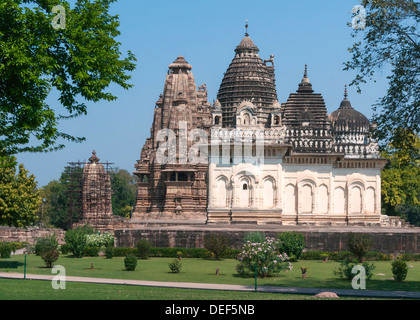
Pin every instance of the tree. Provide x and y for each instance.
(359, 245)
(79, 61)
(19, 197)
(53, 209)
(124, 191)
(57, 197)
(76, 239)
(216, 244)
(400, 178)
(391, 38)
(47, 248)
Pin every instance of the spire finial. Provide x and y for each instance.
(246, 28)
(305, 74)
(94, 158)
(345, 92)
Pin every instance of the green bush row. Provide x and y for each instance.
(174, 252)
(191, 253)
(233, 253)
(370, 256)
(409, 257)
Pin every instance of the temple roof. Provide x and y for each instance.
(247, 78)
(180, 63)
(305, 106)
(347, 119)
(247, 45)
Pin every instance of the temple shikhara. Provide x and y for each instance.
(259, 160)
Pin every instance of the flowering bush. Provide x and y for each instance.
(100, 240)
(264, 256)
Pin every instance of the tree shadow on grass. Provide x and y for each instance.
(10, 264)
(244, 276)
(335, 283)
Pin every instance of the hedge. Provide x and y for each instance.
(343, 255)
(173, 252)
(233, 253)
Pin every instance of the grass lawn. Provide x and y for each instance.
(320, 275)
(11, 289)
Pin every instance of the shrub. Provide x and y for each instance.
(109, 252)
(264, 256)
(143, 248)
(399, 270)
(359, 245)
(76, 239)
(124, 251)
(5, 250)
(130, 262)
(378, 256)
(65, 249)
(325, 257)
(166, 252)
(254, 237)
(292, 243)
(175, 266)
(89, 251)
(341, 256)
(47, 248)
(174, 252)
(50, 256)
(344, 272)
(409, 257)
(216, 245)
(45, 243)
(230, 253)
(240, 269)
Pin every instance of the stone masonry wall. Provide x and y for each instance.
(28, 235)
(384, 242)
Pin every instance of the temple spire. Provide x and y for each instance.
(305, 78)
(305, 85)
(93, 158)
(246, 28)
(345, 104)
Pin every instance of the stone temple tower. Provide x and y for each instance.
(172, 186)
(248, 78)
(96, 194)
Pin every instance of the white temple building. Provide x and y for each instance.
(289, 163)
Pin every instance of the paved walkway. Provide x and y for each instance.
(224, 287)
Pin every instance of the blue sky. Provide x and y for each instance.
(206, 33)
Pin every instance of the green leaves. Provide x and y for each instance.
(124, 191)
(391, 38)
(400, 178)
(79, 62)
(19, 198)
